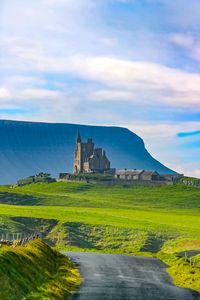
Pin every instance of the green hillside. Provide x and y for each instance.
(88, 195)
(36, 272)
(158, 221)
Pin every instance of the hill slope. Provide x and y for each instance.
(27, 148)
(36, 272)
(157, 221)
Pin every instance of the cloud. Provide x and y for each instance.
(70, 4)
(186, 134)
(150, 82)
(39, 105)
(183, 14)
(188, 169)
(188, 42)
(39, 94)
(154, 132)
(4, 93)
(61, 46)
(153, 82)
(161, 141)
(123, 80)
(182, 40)
(111, 95)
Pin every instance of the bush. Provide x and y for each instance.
(41, 177)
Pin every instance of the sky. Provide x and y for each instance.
(129, 63)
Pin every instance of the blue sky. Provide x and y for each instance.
(131, 63)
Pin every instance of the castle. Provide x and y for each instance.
(88, 159)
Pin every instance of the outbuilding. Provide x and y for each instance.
(128, 174)
(150, 176)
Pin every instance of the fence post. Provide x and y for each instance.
(185, 255)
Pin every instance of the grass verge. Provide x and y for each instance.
(36, 272)
(185, 272)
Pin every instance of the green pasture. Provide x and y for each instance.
(158, 221)
(103, 196)
(182, 222)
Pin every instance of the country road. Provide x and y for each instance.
(121, 277)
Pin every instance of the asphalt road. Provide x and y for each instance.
(120, 277)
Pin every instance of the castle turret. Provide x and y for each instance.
(78, 139)
(78, 155)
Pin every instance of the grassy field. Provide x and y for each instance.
(55, 276)
(88, 195)
(160, 221)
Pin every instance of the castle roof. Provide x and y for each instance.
(78, 139)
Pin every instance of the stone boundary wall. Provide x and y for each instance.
(122, 182)
(191, 182)
(138, 182)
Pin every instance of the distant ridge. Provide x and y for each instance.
(30, 147)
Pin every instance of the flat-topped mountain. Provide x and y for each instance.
(27, 148)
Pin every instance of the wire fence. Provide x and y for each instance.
(191, 260)
(17, 239)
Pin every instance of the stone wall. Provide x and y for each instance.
(191, 182)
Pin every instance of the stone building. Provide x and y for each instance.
(138, 175)
(88, 159)
(128, 174)
(150, 176)
(172, 177)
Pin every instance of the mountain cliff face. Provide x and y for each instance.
(27, 148)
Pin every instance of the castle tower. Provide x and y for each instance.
(89, 159)
(78, 156)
